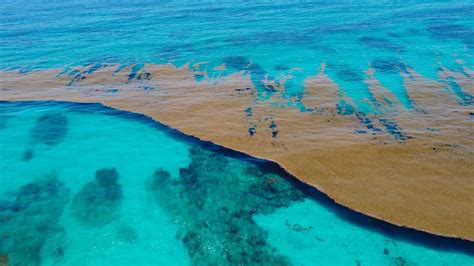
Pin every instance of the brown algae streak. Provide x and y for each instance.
(408, 166)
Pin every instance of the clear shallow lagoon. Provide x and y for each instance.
(86, 185)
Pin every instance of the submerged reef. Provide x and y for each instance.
(50, 129)
(27, 155)
(31, 218)
(4, 119)
(126, 233)
(214, 200)
(98, 202)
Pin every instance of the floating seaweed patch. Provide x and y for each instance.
(214, 201)
(98, 202)
(50, 129)
(29, 222)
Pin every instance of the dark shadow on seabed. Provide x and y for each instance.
(351, 216)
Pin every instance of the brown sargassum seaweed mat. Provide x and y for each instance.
(410, 167)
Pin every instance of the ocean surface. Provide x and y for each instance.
(269, 40)
(83, 184)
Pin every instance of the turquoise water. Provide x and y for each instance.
(266, 40)
(83, 184)
(87, 185)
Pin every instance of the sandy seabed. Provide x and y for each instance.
(410, 167)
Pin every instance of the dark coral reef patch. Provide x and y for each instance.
(126, 233)
(50, 129)
(98, 202)
(214, 200)
(29, 222)
(27, 155)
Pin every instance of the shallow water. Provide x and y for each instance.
(84, 184)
